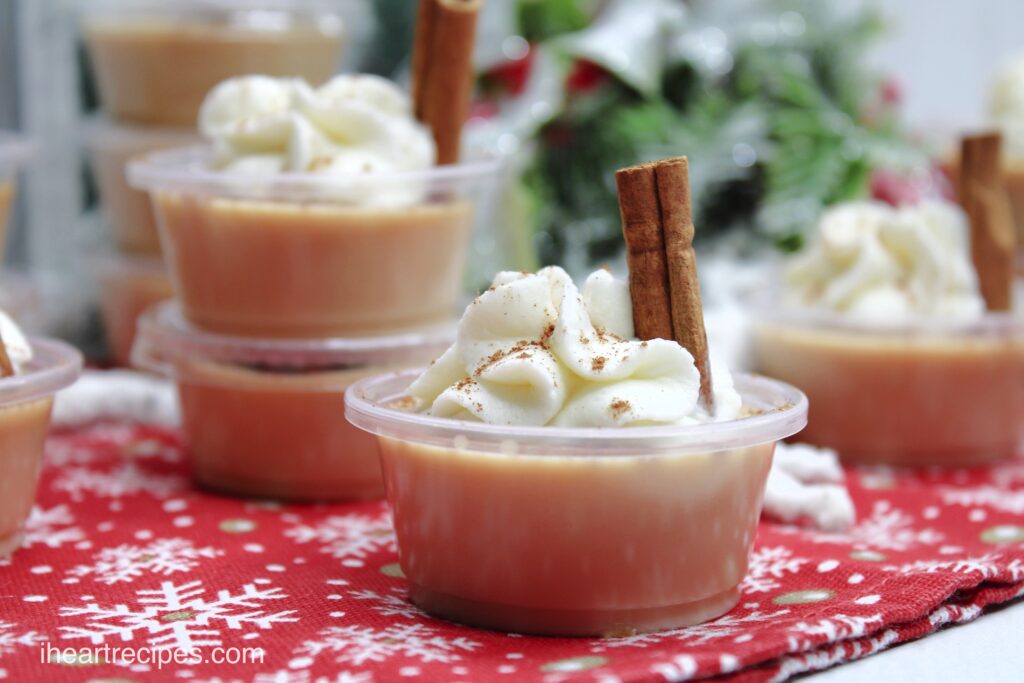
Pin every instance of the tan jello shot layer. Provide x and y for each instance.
(575, 531)
(128, 286)
(264, 417)
(306, 255)
(14, 152)
(926, 393)
(155, 61)
(25, 403)
(129, 211)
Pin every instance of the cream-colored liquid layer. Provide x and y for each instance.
(903, 400)
(124, 295)
(298, 270)
(23, 429)
(6, 202)
(276, 435)
(157, 73)
(574, 545)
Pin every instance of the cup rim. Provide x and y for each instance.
(165, 335)
(99, 133)
(15, 150)
(187, 169)
(95, 8)
(54, 366)
(365, 407)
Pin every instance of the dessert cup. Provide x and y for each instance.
(128, 210)
(14, 151)
(574, 531)
(25, 403)
(264, 417)
(155, 61)
(914, 393)
(128, 286)
(305, 255)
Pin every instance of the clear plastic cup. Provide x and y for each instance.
(313, 255)
(915, 393)
(25, 403)
(572, 531)
(128, 286)
(264, 417)
(129, 211)
(14, 152)
(156, 60)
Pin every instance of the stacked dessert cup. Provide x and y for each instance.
(153, 62)
(306, 252)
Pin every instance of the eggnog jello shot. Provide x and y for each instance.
(155, 61)
(31, 372)
(572, 465)
(261, 417)
(883, 324)
(552, 474)
(316, 212)
(128, 286)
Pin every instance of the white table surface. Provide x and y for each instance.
(989, 649)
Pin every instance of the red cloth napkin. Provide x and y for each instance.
(123, 551)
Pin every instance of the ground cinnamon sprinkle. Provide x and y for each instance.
(597, 365)
(548, 331)
(618, 407)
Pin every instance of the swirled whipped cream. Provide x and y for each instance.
(18, 348)
(875, 262)
(535, 350)
(353, 124)
(1006, 107)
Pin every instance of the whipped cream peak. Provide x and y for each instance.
(353, 124)
(16, 343)
(872, 261)
(535, 350)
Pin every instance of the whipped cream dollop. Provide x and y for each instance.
(353, 124)
(18, 348)
(872, 261)
(1006, 107)
(535, 350)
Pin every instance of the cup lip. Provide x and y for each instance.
(54, 366)
(94, 8)
(15, 150)
(187, 169)
(99, 133)
(365, 407)
(164, 335)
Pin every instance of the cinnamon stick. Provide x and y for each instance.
(984, 200)
(442, 70)
(657, 222)
(6, 366)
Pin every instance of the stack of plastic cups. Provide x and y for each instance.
(154, 62)
(290, 287)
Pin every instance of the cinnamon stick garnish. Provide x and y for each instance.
(6, 366)
(984, 200)
(657, 222)
(442, 70)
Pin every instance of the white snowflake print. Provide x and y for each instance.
(886, 528)
(286, 676)
(128, 562)
(833, 629)
(348, 536)
(835, 654)
(125, 479)
(393, 604)
(767, 566)
(52, 527)
(11, 639)
(987, 566)
(357, 645)
(177, 616)
(723, 627)
(990, 496)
